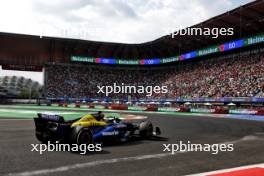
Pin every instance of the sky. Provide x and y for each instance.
(124, 21)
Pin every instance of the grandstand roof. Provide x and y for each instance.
(246, 20)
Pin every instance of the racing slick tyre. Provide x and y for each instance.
(84, 137)
(42, 137)
(81, 135)
(39, 136)
(145, 129)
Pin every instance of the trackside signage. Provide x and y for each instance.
(128, 62)
(82, 59)
(193, 54)
(206, 51)
(170, 59)
(255, 40)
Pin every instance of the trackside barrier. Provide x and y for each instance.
(184, 109)
(260, 112)
(221, 111)
(137, 108)
(243, 111)
(99, 107)
(107, 107)
(168, 109)
(119, 107)
(217, 110)
(202, 110)
(171, 109)
(91, 106)
(151, 108)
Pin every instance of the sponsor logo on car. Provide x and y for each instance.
(120, 126)
(112, 133)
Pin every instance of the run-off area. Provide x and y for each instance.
(138, 157)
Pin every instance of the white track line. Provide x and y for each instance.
(229, 170)
(88, 164)
(112, 161)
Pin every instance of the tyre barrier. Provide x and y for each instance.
(151, 108)
(119, 107)
(91, 106)
(221, 110)
(184, 109)
(260, 112)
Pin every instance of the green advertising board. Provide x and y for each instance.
(82, 59)
(202, 52)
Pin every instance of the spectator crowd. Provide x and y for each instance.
(236, 75)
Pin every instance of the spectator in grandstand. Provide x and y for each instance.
(235, 76)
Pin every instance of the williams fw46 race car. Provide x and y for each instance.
(92, 128)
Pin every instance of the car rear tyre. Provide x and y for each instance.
(81, 135)
(84, 137)
(42, 137)
(39, 137)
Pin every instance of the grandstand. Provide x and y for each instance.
(238, 75)
(190, 66)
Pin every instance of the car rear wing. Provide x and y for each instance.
(49, 117)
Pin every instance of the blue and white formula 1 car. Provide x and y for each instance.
(92, 128)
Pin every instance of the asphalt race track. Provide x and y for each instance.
(137, 157)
